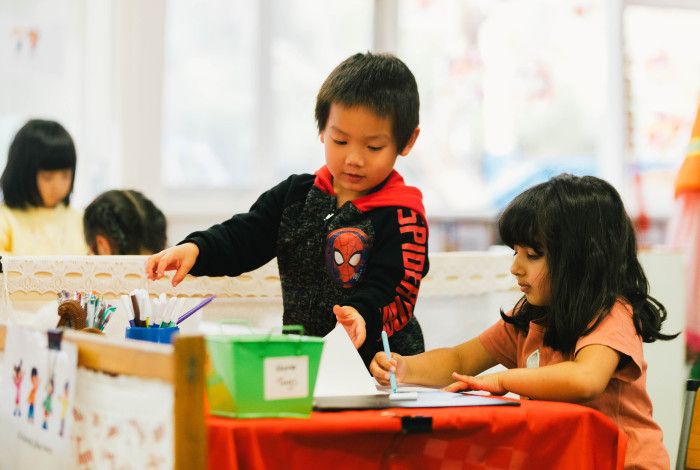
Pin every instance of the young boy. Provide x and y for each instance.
(351, 240)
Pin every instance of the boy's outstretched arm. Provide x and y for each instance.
(180, 258)
(434, 368)
(576, 381)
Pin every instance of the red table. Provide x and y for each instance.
(535, 435)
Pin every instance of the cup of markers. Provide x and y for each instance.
(156, 320)
(95, 311)
(153, 334)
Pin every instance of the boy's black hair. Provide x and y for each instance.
(580, 225)
(38, 145)
(379, 82)
(128, 219)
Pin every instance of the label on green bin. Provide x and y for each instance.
(286, 377)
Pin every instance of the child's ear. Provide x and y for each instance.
(321, 137)
(102, 245)
(411, 141)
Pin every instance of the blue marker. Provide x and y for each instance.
(387, 351)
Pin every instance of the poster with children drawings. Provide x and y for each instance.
(36, 399)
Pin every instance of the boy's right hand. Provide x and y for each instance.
(381, 366)
(180, 258)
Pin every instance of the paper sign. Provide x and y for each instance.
(36, 400)
(286, 377)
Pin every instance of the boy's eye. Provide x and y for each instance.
(339, 142)
(374, 149)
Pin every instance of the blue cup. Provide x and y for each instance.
(154, 335)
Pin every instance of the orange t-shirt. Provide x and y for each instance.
(32, 395)
(625, 399)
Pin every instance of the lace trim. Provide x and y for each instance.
(454, 273)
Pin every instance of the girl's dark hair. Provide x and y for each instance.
(38, 145)
(580, 224)
(128, 219)
(380, 82)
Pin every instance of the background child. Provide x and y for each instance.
(124, 222)
(37, 182)
(351, 240)
(576, 334)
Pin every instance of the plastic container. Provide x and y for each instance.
(262, 375)
(154, 335)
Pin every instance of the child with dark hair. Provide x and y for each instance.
(36, 218)
(576, 334)
(351, 239)
(124, 222)
(31, 398)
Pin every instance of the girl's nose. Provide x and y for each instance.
(515, 269)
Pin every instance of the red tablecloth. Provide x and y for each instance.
(535, 435)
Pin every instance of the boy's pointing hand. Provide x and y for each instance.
(180, 258)
(353, 323)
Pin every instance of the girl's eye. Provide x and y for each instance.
(339, 142)
(529, 253)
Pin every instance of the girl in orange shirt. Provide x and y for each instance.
(576, 334)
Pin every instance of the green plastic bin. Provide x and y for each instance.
(262, 375)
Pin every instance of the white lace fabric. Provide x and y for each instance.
(458, 273)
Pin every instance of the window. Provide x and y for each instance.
(512, 93)
(663, 76)
(241, 79)
(45, 55)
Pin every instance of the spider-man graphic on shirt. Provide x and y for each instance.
(346, 255)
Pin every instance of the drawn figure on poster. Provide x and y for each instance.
(34, 377)
(64, 407)
(17, 380)
(47, 403)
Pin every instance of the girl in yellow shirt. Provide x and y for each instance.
(36, 218)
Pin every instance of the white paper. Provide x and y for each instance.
(440, 399)
(406, 388)
(342, 372)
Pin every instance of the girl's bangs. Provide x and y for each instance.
(518, 225)
(58, 159)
